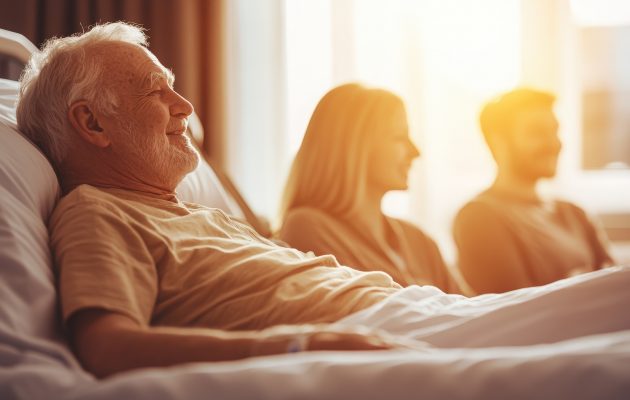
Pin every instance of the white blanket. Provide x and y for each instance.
(586, 367)
(593, 303)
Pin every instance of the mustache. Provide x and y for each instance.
(180, 127)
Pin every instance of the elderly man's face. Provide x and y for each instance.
(148, 128)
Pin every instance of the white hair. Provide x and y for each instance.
(61, 74)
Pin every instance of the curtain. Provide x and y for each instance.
(186, 35)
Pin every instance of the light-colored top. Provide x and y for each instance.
(164, 262)
(414, 258)
(506, 243)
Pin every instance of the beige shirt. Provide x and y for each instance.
(506, 243)
(163, 262)
(415, 259)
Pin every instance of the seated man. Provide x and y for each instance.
(148, 280)
(508, 236)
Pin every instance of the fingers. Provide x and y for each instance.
(289, 339)
(335, 341)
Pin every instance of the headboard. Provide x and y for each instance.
(15, 50)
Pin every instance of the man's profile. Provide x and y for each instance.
(509, 236)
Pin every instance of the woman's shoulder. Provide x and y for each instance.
(311, 229)
(308, 223)
(410, 229)
(308, 215)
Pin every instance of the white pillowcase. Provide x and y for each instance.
(28, 191)
(202, 186)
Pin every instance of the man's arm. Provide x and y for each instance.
(107, 342)
(489, 258)
(598, 241)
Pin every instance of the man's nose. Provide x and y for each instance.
(181, 107)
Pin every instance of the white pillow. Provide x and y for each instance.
(28, 191)
(202, 186)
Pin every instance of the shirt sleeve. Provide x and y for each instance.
(102, 262)
(489, 258)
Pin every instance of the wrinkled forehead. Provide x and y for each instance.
(132, 66)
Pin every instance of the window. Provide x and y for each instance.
(605, 61)
(445, 58)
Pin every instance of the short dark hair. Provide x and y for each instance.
(498, 114)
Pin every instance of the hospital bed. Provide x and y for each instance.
(36, 361)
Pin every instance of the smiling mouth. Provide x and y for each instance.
(179, 131)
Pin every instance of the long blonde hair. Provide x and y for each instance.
(330, 168)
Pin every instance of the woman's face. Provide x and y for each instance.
(391, 154)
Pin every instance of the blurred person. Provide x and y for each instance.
(509, 236)
(356, 149)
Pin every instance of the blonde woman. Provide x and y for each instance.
(356, 149)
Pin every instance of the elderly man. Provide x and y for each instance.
(509, 237)
(147, 280)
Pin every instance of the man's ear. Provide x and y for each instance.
(86, 124)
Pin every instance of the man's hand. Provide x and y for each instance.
(347, 341)
(283, 339)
